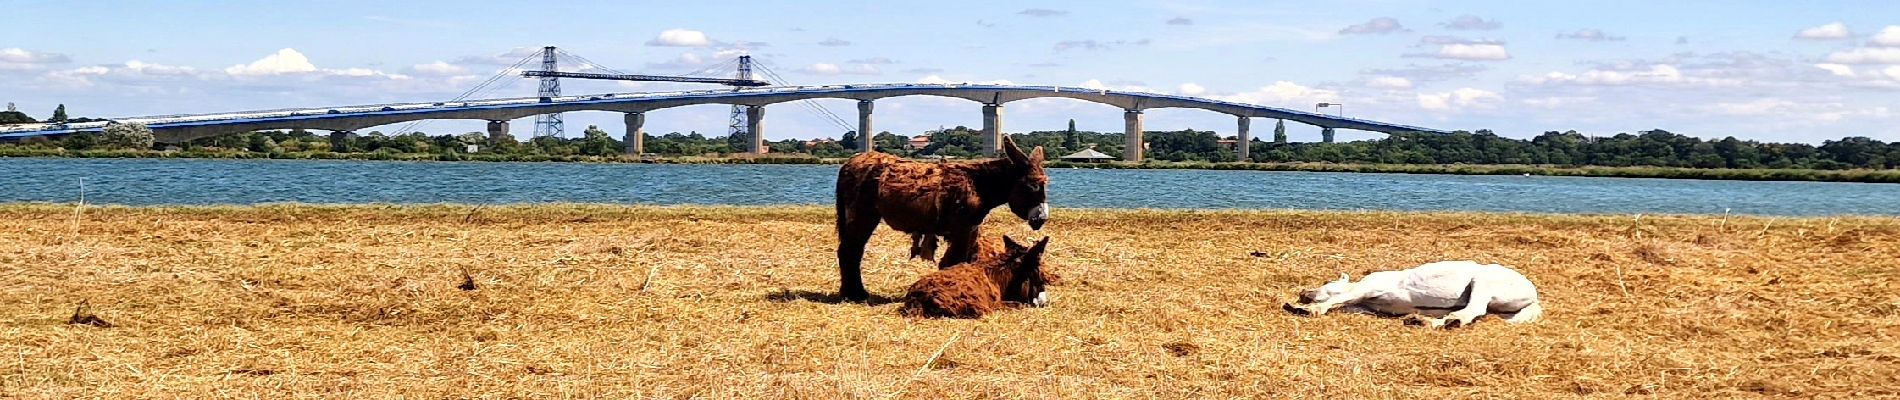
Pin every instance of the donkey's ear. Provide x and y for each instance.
(1014, 153)
(1041, 245)
(1010, 245)
(1345, 278)
(1035, 156)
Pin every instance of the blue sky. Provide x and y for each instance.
(1780, 71)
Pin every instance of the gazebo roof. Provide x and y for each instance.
(1088, 154)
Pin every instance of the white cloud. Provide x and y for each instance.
(284, 61)
(1866, 55)
(681, 38)
(1093, 44)
(1892, 72)
(1557, 102)
(1591, 35)
(1832, 31)
(1471, 22)
(15, 58)
(1180, 21)
(1888, 37)
(1284, 94)
(1192, 89)
(835, 69)
(1389, 82)
(439, 68)
(834, 42)
(1469, 52)
(938, 80)
(1376, 26)
(1042, 12)
(1459, 99)
(1663, 74)
(1756, 107)
(1097, 84)
(146, 68)
(1837, 69)
(824, 69)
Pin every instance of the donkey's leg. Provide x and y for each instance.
(962, 248)
(855, 227)
(923, 246)
(1479, 304)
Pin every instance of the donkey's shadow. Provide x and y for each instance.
(786, 296)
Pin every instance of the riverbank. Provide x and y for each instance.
(735, 302)
(1755, 174)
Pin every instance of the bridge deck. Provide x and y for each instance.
(362, 116)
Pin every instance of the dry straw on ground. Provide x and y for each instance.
(587, 301)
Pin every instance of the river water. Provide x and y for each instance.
(158, 182)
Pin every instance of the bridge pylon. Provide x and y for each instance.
(549, 124)
(738, 122)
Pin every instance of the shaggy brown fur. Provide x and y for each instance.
(986, 249)
(972, 289)
(931, 199)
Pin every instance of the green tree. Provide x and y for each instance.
(1279, 131)
(1070, 142)
(59, 114)
(849, 140)
(127, 137)
(596, 142)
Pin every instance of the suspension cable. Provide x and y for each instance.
(824, 113)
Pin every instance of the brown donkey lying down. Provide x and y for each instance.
(987, 248)
(971, 289)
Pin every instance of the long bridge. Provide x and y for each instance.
(498, 112)
(748, 99)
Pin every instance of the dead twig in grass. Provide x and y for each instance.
(655, 269)
(468, 281)
(82, 316)
(926, 367)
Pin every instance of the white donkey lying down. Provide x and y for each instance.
(1451, 293)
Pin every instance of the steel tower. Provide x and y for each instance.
(548, 124)
(737, 124)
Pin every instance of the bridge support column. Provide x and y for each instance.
(1245, 141)
(339, 140)
(865, 134)
(992, 129)
(1131, 126)
(498, 132)
(1326, 135)
(636, 139)
(755, 126)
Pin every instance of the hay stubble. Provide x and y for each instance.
(738, 302)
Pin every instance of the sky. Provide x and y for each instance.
(1763, 70)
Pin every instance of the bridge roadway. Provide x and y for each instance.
(346, 119)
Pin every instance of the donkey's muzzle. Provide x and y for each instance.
(1038, 216)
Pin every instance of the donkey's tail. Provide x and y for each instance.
(1528, 314)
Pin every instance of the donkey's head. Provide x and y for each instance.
(1028, 197)
(1326, 291)
(1026, 281)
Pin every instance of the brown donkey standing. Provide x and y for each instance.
(931, 199)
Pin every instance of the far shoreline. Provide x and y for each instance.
(1763, 174)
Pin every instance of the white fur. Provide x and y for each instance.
(1434, 290)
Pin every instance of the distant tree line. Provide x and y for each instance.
(1657, 148)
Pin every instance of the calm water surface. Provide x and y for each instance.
(150, 182)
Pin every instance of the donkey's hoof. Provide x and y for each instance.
(858, 296)
(1295, 310)
(1454, 323)
(1415, 320)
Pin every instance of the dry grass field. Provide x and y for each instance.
(706, 302)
